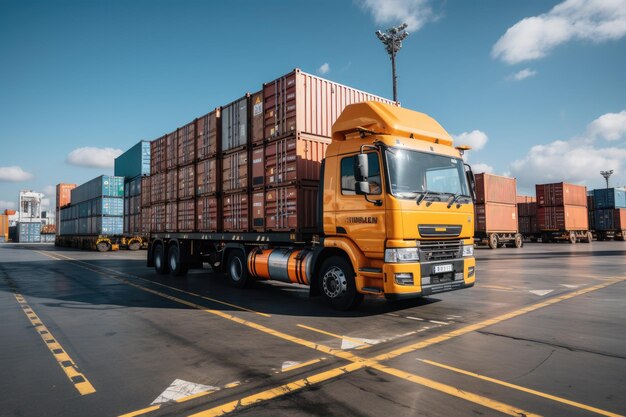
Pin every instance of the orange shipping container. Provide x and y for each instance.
(171, 150)
(562, 218)
(207, 214)
(208, 135)
(206, 177)
(235, 171)
(294, 160)
(235, 212)
(4, 227)
(187, 144)
(291, 209)
(157, 155)
(496, 218)
(63, 194)
(559, 194)
(495, 189)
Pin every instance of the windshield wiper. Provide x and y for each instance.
(423, 194)
(455, 198)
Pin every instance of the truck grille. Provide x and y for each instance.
(439, 250)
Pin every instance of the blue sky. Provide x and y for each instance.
(95, 74)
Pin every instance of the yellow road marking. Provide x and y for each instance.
(497, 287)
(78, 379)
(357, 341)
(302, 365)
(455, 392)
(142, 411)
(527, 390)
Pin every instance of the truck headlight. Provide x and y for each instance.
(401, 255)
(468, 250)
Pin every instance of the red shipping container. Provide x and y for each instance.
(64, 195)
(145, 191)
(186, 182)
(171, 150)
(207, 214)
(171, 185)
(235, 171)
(157, 155)
(291, 208)
(206, 177)
(256, 118)
(294, 160)
(495, 189)
(526, 209)
(157, 188)
(619, 219)
(235, 212)
(258, 167)
(258, 211)
(207, 140)
(187, 144)
(171, 217)
(146, 221)
(157, 220)
(563, 218)
(559, 194)
(496, 217)
(528, 225)
(300, 102)
(186, 216)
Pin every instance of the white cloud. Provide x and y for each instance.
(610, 126)
(523, 74)
(476, 139)
(4, 204)
(324, 68)
(14, 174)
(49, 190)
(93, 157)
(46, 204)
(535, 37)
(480, 168)
(415, 13)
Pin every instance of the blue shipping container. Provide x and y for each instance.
(604, 219)
(104, 185)
(28, 232)
(609, 198)
(135, 162)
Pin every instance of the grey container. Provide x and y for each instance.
(235, 124)
(28, 232)
(135, 162)
(104, 185)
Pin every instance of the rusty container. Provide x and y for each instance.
(560, 194)
(235, 124)
(258, 210)
(207, 214)
(171, 216)
(235, 171)
(186, 216)
(207, 135)
(525, 199)
(187, 144)
(526, 209)
(256, 118)
(64, 194)
(171, 185)
(300, 102)
(146, 220)
(157, 188)
(528, 225)
(619, 218)
(562, 218)
(157, 155)
(496, 218)
(206, 177)
(157, 217)
(294, 160)
(291, 208)
(235, 212)
(186, 182)
(145, 192)
(258, 167)
(495, 189)
(171, 150)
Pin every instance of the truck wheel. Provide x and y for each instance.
(176, 266)
(588, 237)
(572, 237)
(103, 246)
(134, 245)
(519, 242)
(337, 284)
(237, 269)
(160, 265)
(493, 241)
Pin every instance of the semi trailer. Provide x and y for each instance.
(392, 215)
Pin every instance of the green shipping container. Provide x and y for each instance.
(134, 162)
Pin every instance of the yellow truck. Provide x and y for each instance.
(395, 218)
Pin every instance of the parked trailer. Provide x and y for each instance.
(562, 213)
(610, 223)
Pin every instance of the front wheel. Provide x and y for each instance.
(103, 246)
(572, 238)
(519, 241)
(337, 284)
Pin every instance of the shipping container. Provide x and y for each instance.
(171, 185)
(47, 238)
(258, 210)
(526, 209)
(186, 216)
(290, 209)
(525, 199)
(235, 171)
(107, 206)
(158, 162)
(186, 182)
(157, 188)
(104, 185)
(559, 194)
(64, 194)
(207, 214)
(235, 212)
(146, 192)
(619, 219)
(562, 218)
(591, 218)
(528, 225)
(234, 118)
(206, 177)
(495, 189)
(187, 144)
(171, 216)
(208, 135)
(146, 221)
(28, 232)
(604, 219)
(256, 118)
(294, 160)
(4, 227)
(609, 198)
(496, 218)
(157, 218)
(300, 102)
(171, 150)
(135, 162)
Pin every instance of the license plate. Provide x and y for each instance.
(438, 269)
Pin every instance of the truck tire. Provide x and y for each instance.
(572, 237)
(493, 241)
(337, 284)
(160, 263)
(519, 241)
(176, 266)
(103, 246)
(134, 245)
(588, 237)
(237, 269)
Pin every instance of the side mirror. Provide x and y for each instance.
(362, 187)
(471, 181)
(361, 167)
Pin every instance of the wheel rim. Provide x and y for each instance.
(334, 282)
(236, 269)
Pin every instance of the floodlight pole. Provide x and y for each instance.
(606, 175)
(392, 39)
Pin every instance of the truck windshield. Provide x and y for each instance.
(412, 173)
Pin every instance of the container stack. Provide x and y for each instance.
(496, 210)
(561, 207)
(97, 208)
(527, 215)
(134, 165)
(4, 228)
(63, 198)
(609, 212)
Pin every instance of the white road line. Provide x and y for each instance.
(414, 318)
(443, 323)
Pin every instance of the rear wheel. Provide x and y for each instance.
(134, 245)
(103, 246)
(588, 237)
(572, 237)
(519, 242)
(337, 284)
(236, 269)
(493, 241)
(176, 266)
(160, 265)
